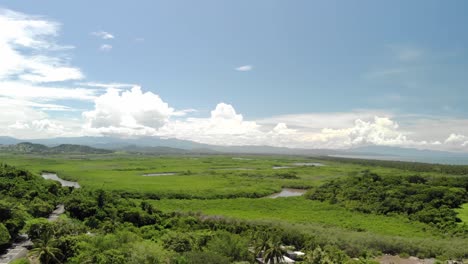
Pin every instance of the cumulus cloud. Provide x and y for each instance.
(457, 141)
(132, 112)
(244, 68)
(33, 71)
(103, 35)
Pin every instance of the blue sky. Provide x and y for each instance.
(305, 63)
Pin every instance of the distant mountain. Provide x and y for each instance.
(72, 148)
(164, 150)
(28, 147)
(275, 150)
(155, 145)
(8, 140)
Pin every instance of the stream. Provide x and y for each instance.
(288, 192)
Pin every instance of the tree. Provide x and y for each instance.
(45, 249)
(260, 242)
(38, 228)
(274, 252)
(4, 235)
(229, 245)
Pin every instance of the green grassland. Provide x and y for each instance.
(328, 223)
(299, 210)
(230, 187)
(204, 177)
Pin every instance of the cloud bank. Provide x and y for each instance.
(39, 94)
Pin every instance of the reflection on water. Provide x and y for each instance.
(159, 174)
(313, 164)
(281, 167)
(288, 192)
(54, 177)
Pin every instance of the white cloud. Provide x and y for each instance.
(105, 47)
(244, 68)
(224, 126)
(456, 138)
(108, 85)
(314, 122)
(457, 141)
(22, 90)
(31, 67)
(132, 112)
(103, 35)
(23, 35)
(18, 125)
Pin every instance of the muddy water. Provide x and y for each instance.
(159, 174)
(288, 192)
(312, 164)
(53, 176)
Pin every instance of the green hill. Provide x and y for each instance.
(27, 147)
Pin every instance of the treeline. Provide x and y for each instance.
(23, 196)
(405, 165)
(429, 200)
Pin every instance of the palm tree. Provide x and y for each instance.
(260, 242)
(274, 253)
(45, 250)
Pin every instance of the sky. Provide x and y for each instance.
(308, 74)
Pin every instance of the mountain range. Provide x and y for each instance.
(155, 145)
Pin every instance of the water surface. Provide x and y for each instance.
(312, 164)
(288, 192)
(65, 183)
(159, 174)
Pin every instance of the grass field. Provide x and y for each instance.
(329, 224)
(299, 210)
(205, 177)
(224, 186)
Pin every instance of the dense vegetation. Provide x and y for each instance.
(23, 196)
(121, 216)
(428, 200)
(405, 165)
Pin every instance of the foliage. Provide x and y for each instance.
(428, 200)
(4, 235)
(24, 196)
(111, 219)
